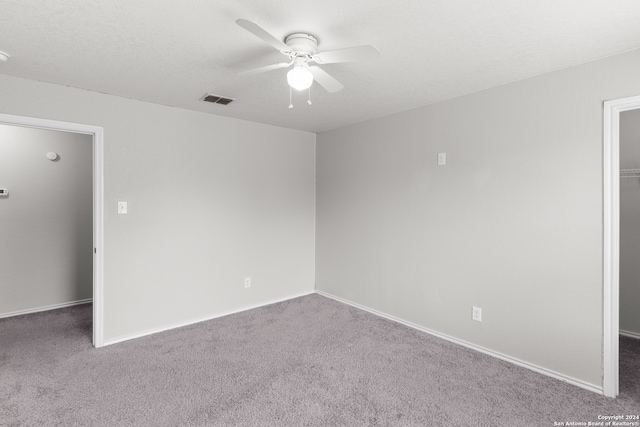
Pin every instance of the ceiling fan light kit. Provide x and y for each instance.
(299, 77)
(302, 49)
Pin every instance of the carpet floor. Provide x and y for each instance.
(310, 361)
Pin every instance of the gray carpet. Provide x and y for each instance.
(310, 361)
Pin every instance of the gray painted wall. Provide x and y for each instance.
(47, 235)
(211, 200)
(630, 223)
(513, 224)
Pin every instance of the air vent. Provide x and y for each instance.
(216, 99)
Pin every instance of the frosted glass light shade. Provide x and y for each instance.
(300, 78)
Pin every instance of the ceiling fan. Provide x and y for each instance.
(302, 50)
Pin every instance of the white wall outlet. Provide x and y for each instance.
(122, 208)
(477, 314)
(247, 282)
(442, 159)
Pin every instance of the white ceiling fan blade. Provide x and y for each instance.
(262, 34)
(349, 54)
(325, 79)
(265, 69)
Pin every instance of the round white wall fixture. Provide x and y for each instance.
(52, 156)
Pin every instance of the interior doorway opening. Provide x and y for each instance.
(611, 251)
(96, 134)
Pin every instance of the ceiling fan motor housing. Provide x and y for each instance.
(302, 43)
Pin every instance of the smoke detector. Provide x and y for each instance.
(4, 56)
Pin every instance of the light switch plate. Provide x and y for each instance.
(442, 159)
(122, 208)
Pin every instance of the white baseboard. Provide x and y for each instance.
(579, 383)
(630, 334)
(45, 308)
(202, 319)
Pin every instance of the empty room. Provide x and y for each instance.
(361, 213)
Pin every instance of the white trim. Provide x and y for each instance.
(611, 234)
(98, 237)
(574, 381)
(98, 201)
(203, 319)
(45, 308)
(611, 240)
(630, 334)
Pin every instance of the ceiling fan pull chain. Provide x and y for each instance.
(308, 100)
(290, 103)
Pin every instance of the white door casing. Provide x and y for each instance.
(98, 202)
(611, 239)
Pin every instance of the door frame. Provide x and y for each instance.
(611, 235)
(98, 203)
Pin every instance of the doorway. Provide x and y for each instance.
(95, 135)
(611, 251)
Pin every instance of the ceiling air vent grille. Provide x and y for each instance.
(216, 99)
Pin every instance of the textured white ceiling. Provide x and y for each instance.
(173, 52)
